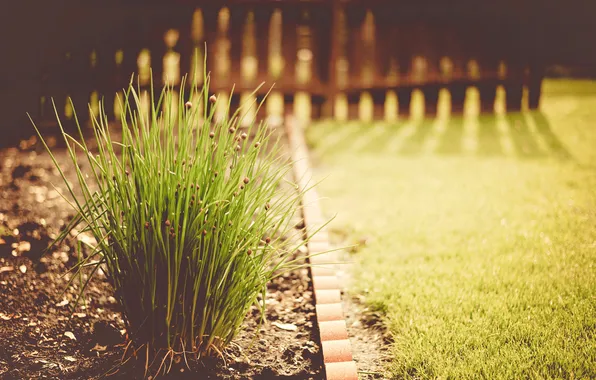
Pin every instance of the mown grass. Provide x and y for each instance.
(481, 235)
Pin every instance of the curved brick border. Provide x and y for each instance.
(337, 350)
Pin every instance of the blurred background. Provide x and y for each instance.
(341, 59)
(454, 140)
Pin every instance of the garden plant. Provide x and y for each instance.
(192, 217)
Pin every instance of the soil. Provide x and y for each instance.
(41, 336)
(369, 337)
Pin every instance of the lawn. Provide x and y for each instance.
(480, 234)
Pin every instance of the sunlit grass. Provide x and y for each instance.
(482, 259)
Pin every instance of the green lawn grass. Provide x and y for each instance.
(481, 235)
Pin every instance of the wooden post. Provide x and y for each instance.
(235, 35)
(210, 18)
(535, 86)
(404, 98)
(357, 49)
(334, 52)
(184, 46)
(515, 67)
(486, 44)
(458, 96)
(262, 23)
(431, 98)
(514, 93)
(404, 58)
(289, 46)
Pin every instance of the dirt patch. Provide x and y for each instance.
(42, 337)
(369, 336)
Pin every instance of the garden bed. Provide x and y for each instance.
(41, 336)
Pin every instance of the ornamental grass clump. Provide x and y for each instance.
(190, 214)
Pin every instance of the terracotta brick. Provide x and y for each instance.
(319, 235)
(311, 196)
(313, 218)
(321, 259)
(301, 172)
(327, 258)
(313, 211)
(310, 204)
(314, 222)
(322, 270)
(333, 330)
(335, 351)
(341, 371)
(327, 296)
(330, 312)
(326, 282)
(301, 166)
(318, 246)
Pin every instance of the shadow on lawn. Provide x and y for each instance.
(523, 134)
(551, 140)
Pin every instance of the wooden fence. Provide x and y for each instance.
(327, 58)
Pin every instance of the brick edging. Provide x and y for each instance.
(336, 347)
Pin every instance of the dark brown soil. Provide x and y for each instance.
(42, 337)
